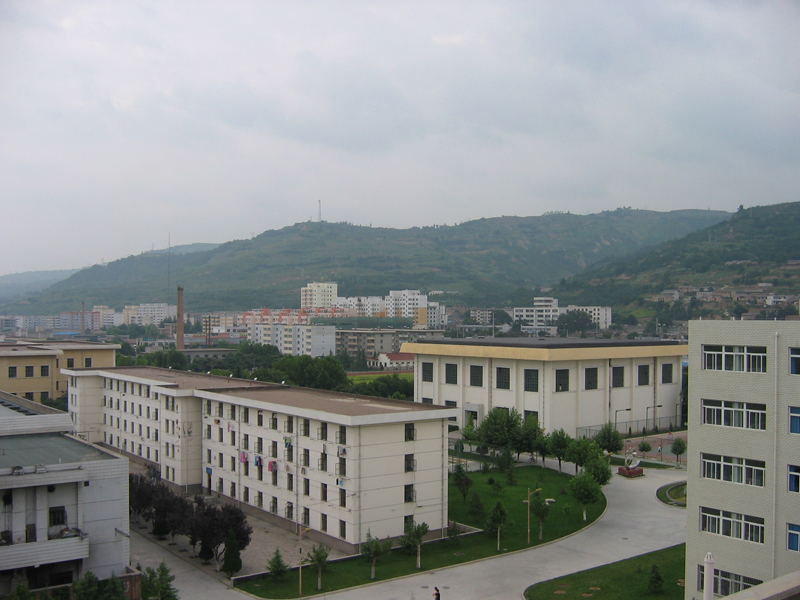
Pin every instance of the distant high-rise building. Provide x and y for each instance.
(318, 295)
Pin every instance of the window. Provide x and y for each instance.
(306, 486)
(476, 375)
(322, 432)
(273, 422)
(341, 468)
(531, 377)
(427, 400)
(451, 404)
(44, 396)
(503, 378)
(562, 380)
(305, 458)
(289, 512)
(746, 415)
(290, 482)
(306, 519)
(323, 462)
(666, 373)
(275, 477)
(12, 372)
(288, 425)
(323, 522)
(341, 435)
(323, 492)
(342, 529)
(590, 378)
(731, 524)
(411, 432)
(410, 463)
(87, 362)
(246, 494)
(305, 427)
(617, 377)
(794, 361)
(29, 395)
(44, 371)
(342, 498)
(794, 537)
(794, 419)
(794, 478)
(750, 359)
(408, 522)
(451, 373)
(427, 371)
(408, 493)
(58, 516)
(245, 415)
(71, 364)
(644, 374)
(725, 582)
(735, 470)
(245, 441)
(260, 419)
(29, 371)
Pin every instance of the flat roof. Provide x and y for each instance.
(551, 342)
(46, 449)
(182, 379)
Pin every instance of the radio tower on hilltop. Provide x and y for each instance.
(319, 211)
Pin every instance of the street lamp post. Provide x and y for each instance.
(528, 502)
(300, 565)
(616, 412)
(646, 411)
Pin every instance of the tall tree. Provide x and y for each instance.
(414, 537)
(679, 448)
(318, 557)
(276, 566)
(581, 452)
(540, 508)
(585, 490)
(500, 427)
(609, 439)
(232, 562)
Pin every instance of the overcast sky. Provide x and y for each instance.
(123, 123)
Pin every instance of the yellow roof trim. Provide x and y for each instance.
(547, 354)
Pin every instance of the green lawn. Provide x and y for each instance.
(624, 580)
(451, 552)
(672, 493)
(376, 374)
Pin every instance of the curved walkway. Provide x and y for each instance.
(636, 522)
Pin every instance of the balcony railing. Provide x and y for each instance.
(18, 556)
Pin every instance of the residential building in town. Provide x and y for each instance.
(363, 306)
(33, 369)
(566, 383)
(374, 341)
(340, 464)
(151, 313)
(546, 310)
(318, 295)
(296, 340)
(65, 501)
(743, 460)
(392, 361)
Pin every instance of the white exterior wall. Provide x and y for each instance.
(318, 295)
(778, 389)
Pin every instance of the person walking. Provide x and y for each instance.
(436, 595)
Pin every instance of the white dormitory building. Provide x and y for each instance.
(743, 461)
(296, 340)
(65, 501)
(340, 464)
(545, 310)
(566, 383)
(149, 314)
(407, 304)
(318, 295)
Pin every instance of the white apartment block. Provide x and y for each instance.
(743, 460)
(545, 310)
(65, 501)
(108, 316)
(340, 464)
(404, 303)
(566, 383)
(318, 295)
(149, 314)
(364, 306)
(296, 340)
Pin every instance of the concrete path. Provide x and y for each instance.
(635, 523)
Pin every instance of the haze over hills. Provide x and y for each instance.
(486, 261)
(753, 246)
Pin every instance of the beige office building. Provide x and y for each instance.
(567, 383)
(743, 460)
(340, 464)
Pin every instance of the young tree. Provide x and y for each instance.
(157, 584)
(679, 448)
(540, 445)
(600, 470)
(497, 519)
(476, 506)
(113, 589)
(461, 480)
(609, 439)
(655, 583)
(276, 566)
(414, 536)
(581, 452)
(86, 588)
(585, 490)
(470, 433)
(557, 445)
(232, 563)
(373, 549)
(645, 447)
(318, 557)
(540, 508)
(21, 592)
(505, 464)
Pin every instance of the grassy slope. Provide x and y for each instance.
(356, 572)
(485, 260)
(624, 580)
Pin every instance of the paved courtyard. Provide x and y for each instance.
(635, 523)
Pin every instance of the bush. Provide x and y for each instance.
(476, 506)
(645, 447)
(276, 566)
(655, 583)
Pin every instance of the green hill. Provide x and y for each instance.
(765, 237)
(486, 261)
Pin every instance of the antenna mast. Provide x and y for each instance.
(319, 211)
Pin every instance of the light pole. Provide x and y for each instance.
(619, 411)
(528, 502)
(300, 565)
(646, 411)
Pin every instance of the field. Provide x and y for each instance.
(362, 377)
(624, 580)
(352, 572)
